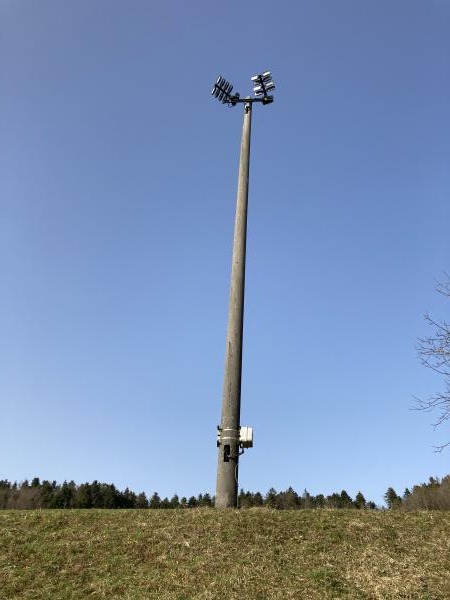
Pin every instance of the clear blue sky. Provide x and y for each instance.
(117, 190)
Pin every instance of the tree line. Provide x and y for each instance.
(433, 495)
(49, 494)
(37, 494)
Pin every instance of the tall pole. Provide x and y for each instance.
(228, 460)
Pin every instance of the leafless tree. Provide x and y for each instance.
(434, 353)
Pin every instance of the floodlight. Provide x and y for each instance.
(222, 91)
(262, 85)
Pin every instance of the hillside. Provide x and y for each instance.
(207, 554)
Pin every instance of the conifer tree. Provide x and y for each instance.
(165, 503)
(258, 500)
(155, 501)
(175, 501)
(271, 498)
(392, 499)
(360, 501)
(141, 501)
(346, 500)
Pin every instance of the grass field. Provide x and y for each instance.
(208, 554)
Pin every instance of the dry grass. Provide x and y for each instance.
(255, 554)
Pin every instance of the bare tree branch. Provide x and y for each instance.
(434, 353)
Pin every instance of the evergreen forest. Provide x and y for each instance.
(37, 494)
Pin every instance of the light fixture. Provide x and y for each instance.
(262, 85)
(222, 91)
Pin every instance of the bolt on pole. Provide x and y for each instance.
(228, 459)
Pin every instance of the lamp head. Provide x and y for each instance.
(262, 85)
(222, 91)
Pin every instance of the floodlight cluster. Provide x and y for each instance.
(222, 91)
(263, 84)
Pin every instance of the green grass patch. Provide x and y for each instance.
(256, 554)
